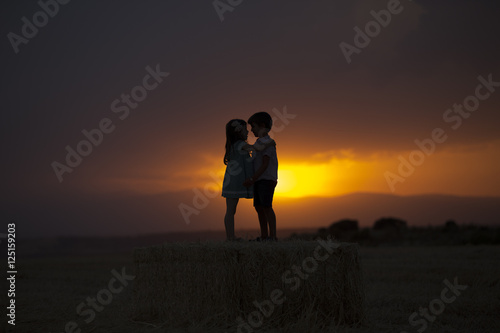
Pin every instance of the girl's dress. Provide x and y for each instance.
(238, 169)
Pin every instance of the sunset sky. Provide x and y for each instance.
(340, 127)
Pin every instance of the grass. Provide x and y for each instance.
(398, 281)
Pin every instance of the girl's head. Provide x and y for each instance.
(236, 130)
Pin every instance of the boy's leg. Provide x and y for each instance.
(271, 220)
(231, 204)
(257, 203)
(268, 207)
(261, 212)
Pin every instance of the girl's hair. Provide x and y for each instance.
(233, 134)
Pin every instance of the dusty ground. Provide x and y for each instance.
(399, 281)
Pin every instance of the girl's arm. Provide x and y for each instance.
(259, 147)
(265, 163)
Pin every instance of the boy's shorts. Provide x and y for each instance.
(263, 192)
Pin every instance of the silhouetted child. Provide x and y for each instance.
(265, 177)
(239, 167)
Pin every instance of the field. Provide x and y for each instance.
(398, 281)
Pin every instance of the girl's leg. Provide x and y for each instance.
(231, 204)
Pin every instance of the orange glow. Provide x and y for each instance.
(303, 180)
(457, 170)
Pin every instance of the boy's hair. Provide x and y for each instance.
(262, 118)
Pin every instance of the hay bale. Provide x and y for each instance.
(224, 284)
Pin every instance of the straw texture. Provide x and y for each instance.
(250, 284)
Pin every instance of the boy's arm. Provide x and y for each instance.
(265, 163)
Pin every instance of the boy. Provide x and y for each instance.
(265, 177)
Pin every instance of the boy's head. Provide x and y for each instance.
(261, 123)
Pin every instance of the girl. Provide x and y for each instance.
(239, 167)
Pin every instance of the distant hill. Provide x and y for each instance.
(135, 215)
(421, 210)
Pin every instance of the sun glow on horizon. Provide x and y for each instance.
(302, 180)
(322, 175)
